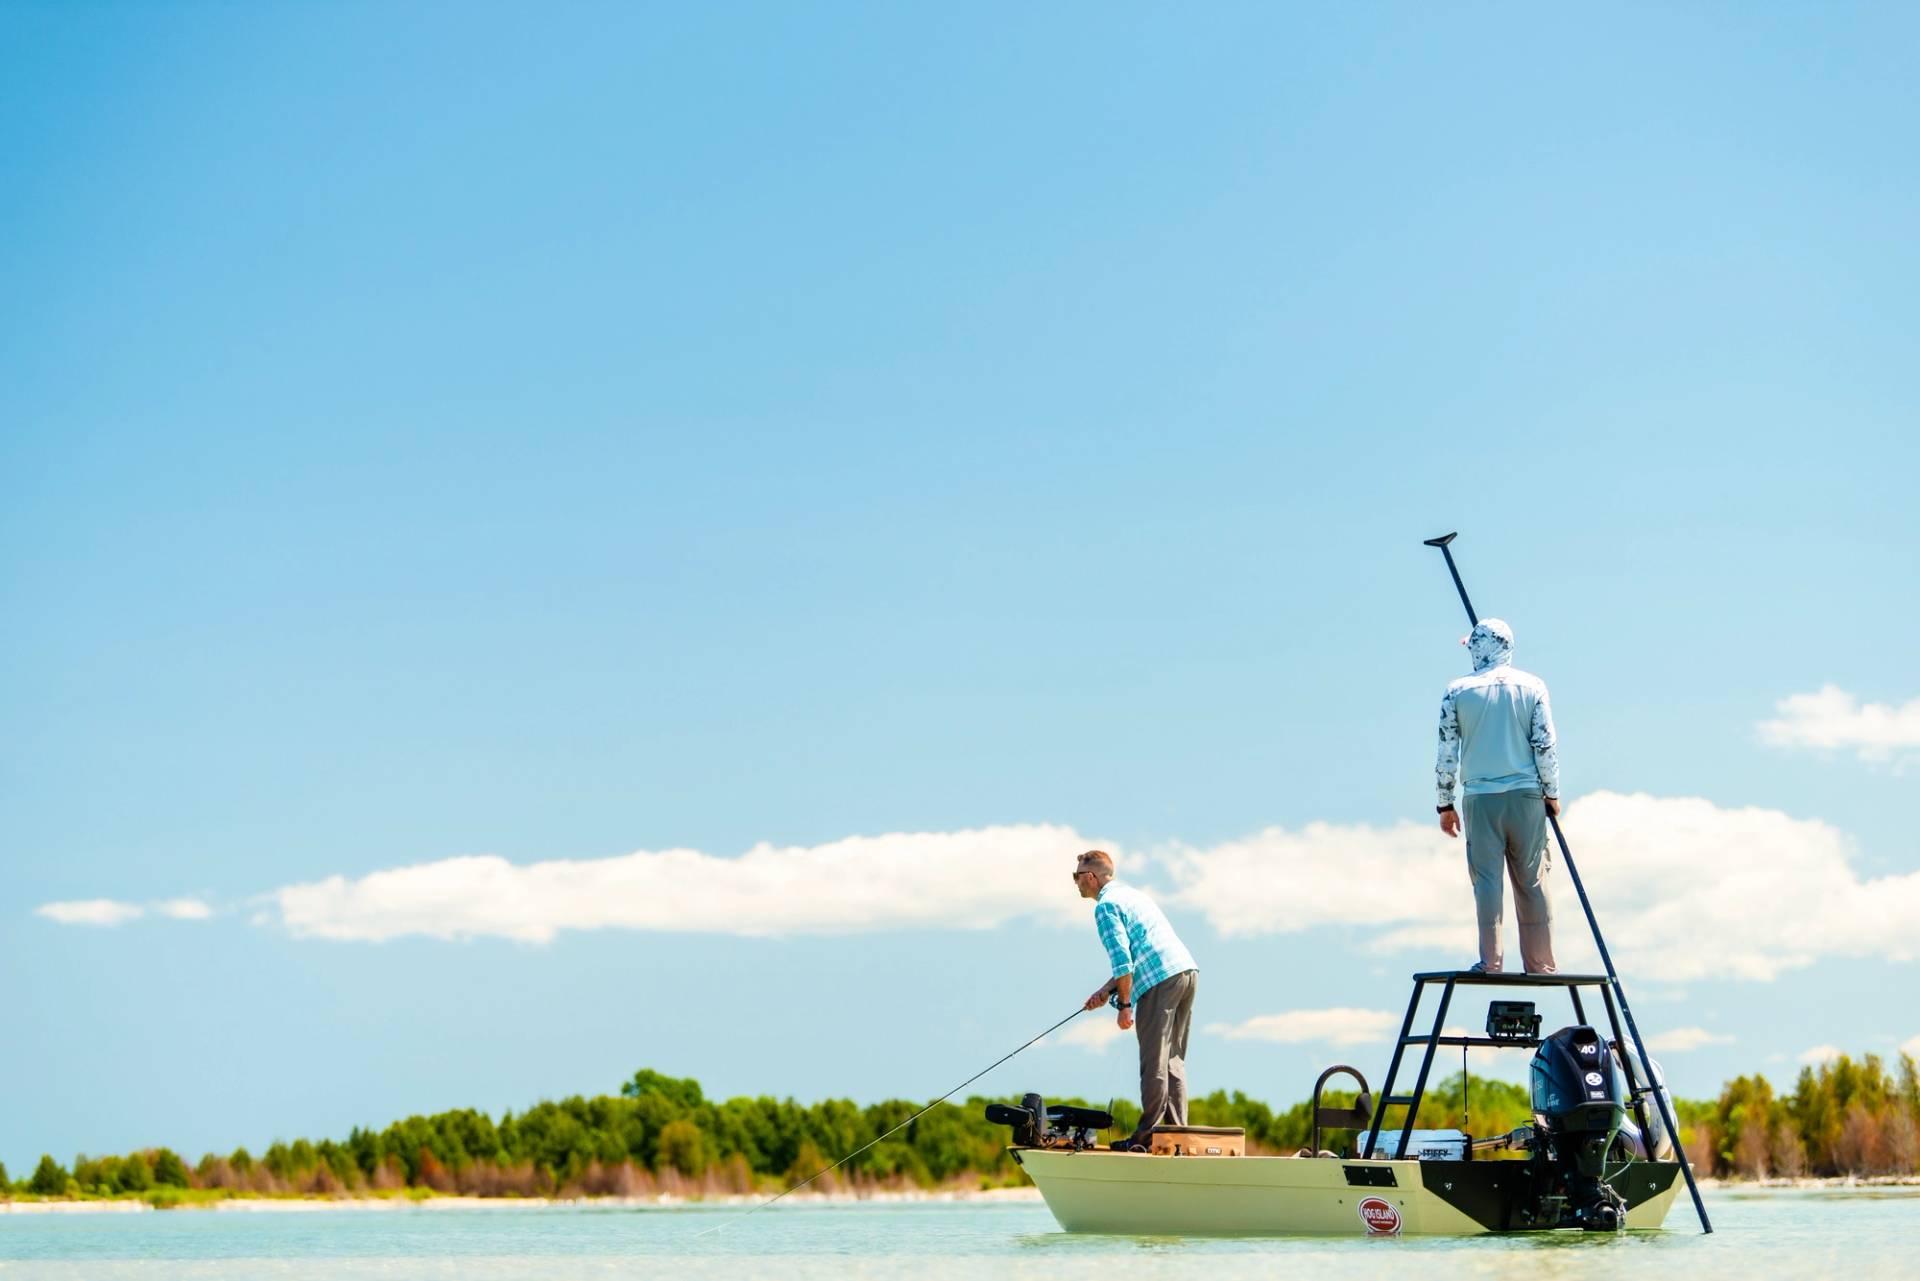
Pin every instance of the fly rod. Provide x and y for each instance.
(1593, 923)
(896, 1129)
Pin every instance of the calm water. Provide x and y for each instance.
(1858, 1233)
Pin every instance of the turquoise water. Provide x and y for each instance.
(1861, 1233)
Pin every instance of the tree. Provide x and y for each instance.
(49, 1178)
(1859, 1149)
(1789, 1159)
(1901, 1140)
(683, 1093)
(1744, 1105)
(683, 1147)
(1751, 1150)
(5, 1183)
(135, 1174)
(169, 1170)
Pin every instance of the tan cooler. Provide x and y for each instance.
(1199, 1140)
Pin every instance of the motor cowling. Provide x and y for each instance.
(1578, 1109)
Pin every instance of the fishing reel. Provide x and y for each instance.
(1035, 1125)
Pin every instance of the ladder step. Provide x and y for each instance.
(1397, 1100)
(1420, 1039)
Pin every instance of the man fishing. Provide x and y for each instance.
(1152, 987)
(1497, 754)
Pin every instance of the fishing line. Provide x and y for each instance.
(896, 1129)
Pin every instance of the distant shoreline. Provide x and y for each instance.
(1833, 1181)
(664, 1201)
(667, 1201)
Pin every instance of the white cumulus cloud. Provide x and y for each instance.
(1683, 888)
(1818, 1054)
(1095, 1032)
(920, 880)
(1831, 718)
(1681, 1039)
(1911, 1046)
(90, 911)
(1340, 1025)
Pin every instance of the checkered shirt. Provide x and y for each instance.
(1138, 939)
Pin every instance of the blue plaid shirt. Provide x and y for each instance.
(1137, 937)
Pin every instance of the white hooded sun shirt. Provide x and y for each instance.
(1496, 729)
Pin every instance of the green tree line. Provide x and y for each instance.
(1842, 1117)
(662, 1135)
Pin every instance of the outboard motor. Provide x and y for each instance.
(1578, 1109)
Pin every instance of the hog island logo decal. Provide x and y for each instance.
(1381, 1217)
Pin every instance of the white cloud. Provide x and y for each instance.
(1095, 1032)
(1683, 888)
(924, 880)
(90, 911)
(1911, 1046)
(1820, 1054)
(1279, 882)
(110, 912)
(1681, 1039)
(1338, 1026)
(1832, 718)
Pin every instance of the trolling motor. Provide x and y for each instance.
(1578, 1110)
(1035, 1125)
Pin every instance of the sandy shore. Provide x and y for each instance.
(300, 1204)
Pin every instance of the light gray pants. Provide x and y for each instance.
(1160, 1020)
(1507, 838)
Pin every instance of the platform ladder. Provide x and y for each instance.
(1432, 1040)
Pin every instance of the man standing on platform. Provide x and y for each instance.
(1497, 753)
(1152, 986)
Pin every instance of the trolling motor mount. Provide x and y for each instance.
(1035, 1125)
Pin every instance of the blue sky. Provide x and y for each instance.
(559, 433)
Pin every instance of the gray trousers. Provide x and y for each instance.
(1507, 839)
(1160, 1020)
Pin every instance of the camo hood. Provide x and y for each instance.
(1490, 644)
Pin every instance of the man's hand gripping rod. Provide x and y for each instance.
(1606, 958)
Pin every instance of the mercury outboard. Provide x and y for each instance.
(1578, 1109)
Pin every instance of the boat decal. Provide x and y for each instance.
(1381, 1216)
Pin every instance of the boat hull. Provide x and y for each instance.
(1136, 1193)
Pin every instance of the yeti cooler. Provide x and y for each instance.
(1198, 1140)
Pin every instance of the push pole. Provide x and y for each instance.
(1473, 619)
(1606, 957)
